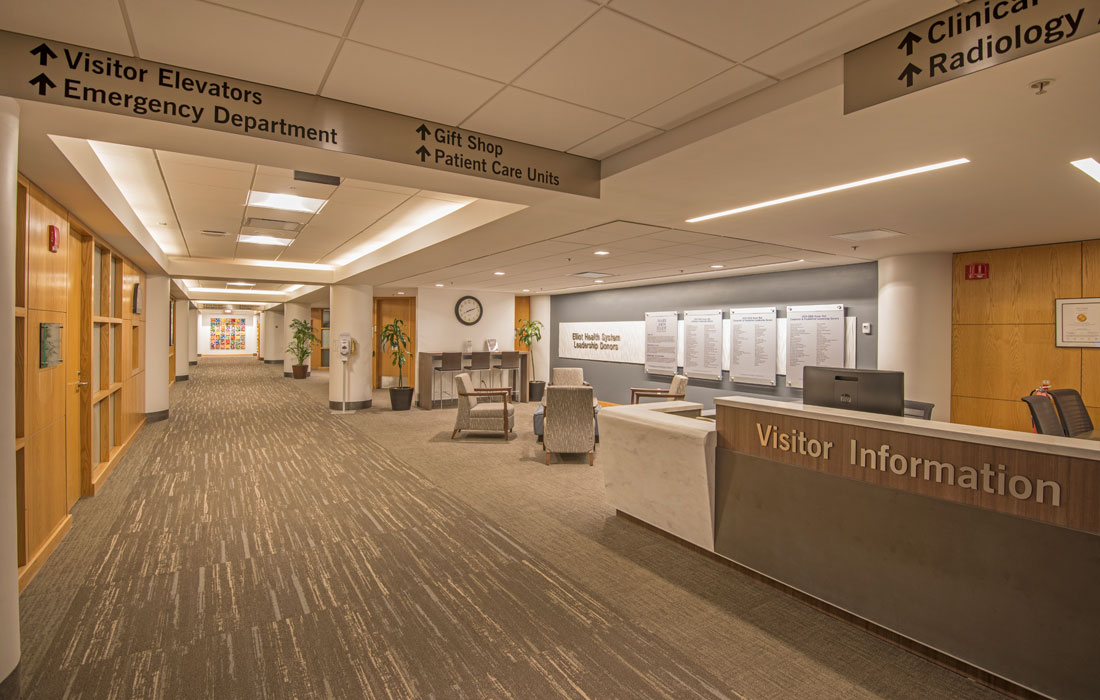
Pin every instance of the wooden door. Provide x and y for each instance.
(386, 309)
(77, 345)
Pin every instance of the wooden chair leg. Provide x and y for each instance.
(591, 458)
(548, 458)
(455, 432)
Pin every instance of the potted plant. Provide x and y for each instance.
(301, 346)
(527, 332)
(394, 339)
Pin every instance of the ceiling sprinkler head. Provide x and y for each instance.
(1040, 86)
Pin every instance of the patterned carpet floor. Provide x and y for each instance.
(256, 546)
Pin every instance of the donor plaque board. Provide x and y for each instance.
(1077, 323)
(662, 331)
(815, 338)
(753, 346)
(703, 344)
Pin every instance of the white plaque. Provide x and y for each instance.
(703, 344)
(661, 337)
(1077, 323)
(607, 341)
(753, 346)
(815, 337)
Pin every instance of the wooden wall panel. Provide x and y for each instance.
(44, 388)
(1007, 362)
(47, 273)
(44, 484)
(1090, 269)
(1022, 286)
(991, 413)
(523, 313)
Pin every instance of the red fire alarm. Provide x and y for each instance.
(977, 271)
(55, 239)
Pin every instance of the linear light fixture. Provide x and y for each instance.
(287, 265)
(285, 202)
(292, 288)
(834, 188)
(242, 284)
(219, 290)
(236, 303)
(263, 240)
(1088, 166)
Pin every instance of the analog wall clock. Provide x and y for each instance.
(468, 310)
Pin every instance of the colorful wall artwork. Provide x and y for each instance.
(227, 333)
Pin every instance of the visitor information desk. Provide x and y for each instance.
(427, 361)
(981, 545)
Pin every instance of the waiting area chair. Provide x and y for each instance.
(1071, 411)
(567, 376)
(569, 424)
(918, 409)
(483, 416)
(676, 391)
(1043, 415)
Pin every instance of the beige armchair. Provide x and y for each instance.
(675, 392)
(569, 424)
(567, 376)
(483, 415)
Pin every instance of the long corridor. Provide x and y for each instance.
(252, 547)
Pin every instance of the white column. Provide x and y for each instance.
(292, 311)
(351, 311)
(274, 347)
(183, 332)
(193, 337)
(540, 353)
(914, 325)
(9, 575)
(157, 290)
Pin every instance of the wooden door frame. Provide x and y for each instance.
(83, 326)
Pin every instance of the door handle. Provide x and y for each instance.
(82, 383)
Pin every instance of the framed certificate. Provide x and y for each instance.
(1077, 323)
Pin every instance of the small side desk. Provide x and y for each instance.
(425, 361)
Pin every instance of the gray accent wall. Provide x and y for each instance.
(855, 286)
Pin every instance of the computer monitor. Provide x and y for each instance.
(869, 390)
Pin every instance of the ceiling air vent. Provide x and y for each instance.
(272, 224)
(303, 176)
(215, 234)
(592, 275)
(873, 235)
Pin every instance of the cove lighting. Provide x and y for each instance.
(439, 285)
(217, 290)
(285, 202)
(242, 284)
(1088, 166)
(408, 218)
(834, 188)
(717, 267)
(286, 265)
(526, 290)
(602, 252)
(237, 303)
(292, 288)
(264, 240)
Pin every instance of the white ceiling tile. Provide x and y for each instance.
(284, 183)
(682, 250)
(722, 89)
(677, 236)
(219, 40)
(619, 66)
(180, 173)
(329, 16)
(300, 217)
(251, 251)
(736, 29)
(204, 162)
(364, 185)
(529, 118)
(615, 139)
(845, 32)
(497, 39)
(641, 244)
(97, 24)
(386, 80)
(611, 231)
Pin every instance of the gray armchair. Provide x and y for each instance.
(567, 376)
(483, 415)
(569, 423)
(675, 392)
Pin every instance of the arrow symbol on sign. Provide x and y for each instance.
(423, 153)
(423, 130)
(42, 82)
(909, 42)
(44, 53)
(908, 73)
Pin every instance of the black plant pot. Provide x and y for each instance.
(401, 398)
(535, 389)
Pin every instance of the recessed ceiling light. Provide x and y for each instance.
(242, 284)
(401, 292)
(285, 202)
(439, 285)
(263, 240)
(873, 235)
(211, 232)
(1088, 166)
(717, 267)
(272, 224)
(834, 188)
(599, 281)
(499, 274)
(602, 252)
(526, 290)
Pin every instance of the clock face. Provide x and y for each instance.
(468, 310)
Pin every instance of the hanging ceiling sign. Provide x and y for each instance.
(960, 41)
(43, 70)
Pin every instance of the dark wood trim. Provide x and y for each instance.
(974, 673)
(156, 416)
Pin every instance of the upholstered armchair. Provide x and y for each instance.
(675, 392)
(483, 415)
(569, 424)
(567, 376)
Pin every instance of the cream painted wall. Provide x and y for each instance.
(540, 353)
(437, 329)
(251, 342)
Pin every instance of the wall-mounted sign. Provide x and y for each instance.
(608, 341)
(960, 41)
(753, 346)
(49, 345)
(662, 336)
(1077, 323)
(703, 344)
(75, 76)
(977, 271)
(815, 337)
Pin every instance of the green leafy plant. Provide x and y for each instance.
(301, 343)
(527, 333)
(394, 339)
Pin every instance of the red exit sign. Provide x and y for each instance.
(977, 271)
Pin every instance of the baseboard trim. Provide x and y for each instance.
(351, 405)
(156, 416)
(182, 377)
(273, 362)
(9, 687)
(193, 362)
(28, 571)
(931, 654)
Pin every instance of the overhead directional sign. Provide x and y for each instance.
(43, 70)
(960, 41)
